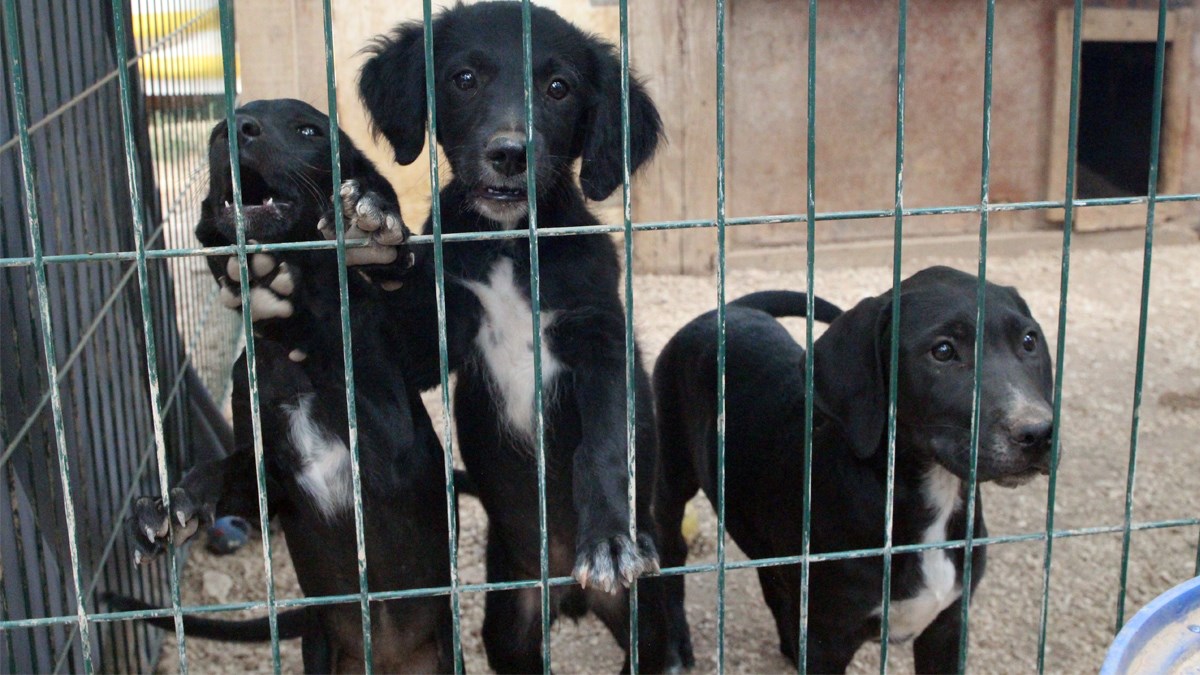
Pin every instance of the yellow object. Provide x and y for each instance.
(154, 26)
(189, 67)
(690, 527)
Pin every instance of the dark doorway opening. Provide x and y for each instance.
(1116, 104)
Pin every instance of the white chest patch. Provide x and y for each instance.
(908, 618)
(324, 460)
(505, 340)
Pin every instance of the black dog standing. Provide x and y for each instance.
(284, 158)
(764, 455)
(480, 124)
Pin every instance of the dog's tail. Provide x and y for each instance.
(292, 623)
(789, 303)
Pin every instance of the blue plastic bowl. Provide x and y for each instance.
(1162, 638)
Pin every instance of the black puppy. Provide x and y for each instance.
(285, 170)
(480, 125)
(302, 391)
(764, 455)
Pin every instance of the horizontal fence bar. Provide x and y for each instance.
(567, 581)
(451, 237)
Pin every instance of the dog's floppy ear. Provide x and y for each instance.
(602, 148)
(849, 384)
(392, 87)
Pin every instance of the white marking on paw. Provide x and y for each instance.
(229, 298)
(909, 617)
(324, 460)
(505, 340)
(266, 305)
(261, 264)
(283, 283)
(371, 255)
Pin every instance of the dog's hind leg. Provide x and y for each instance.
(676, 485)
(317, 653)
(785, 611)
(512, 620)
(613, 610)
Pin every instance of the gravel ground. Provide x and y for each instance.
(1097, 409)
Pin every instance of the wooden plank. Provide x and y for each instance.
(675, 40)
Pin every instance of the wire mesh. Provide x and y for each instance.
(155, 75)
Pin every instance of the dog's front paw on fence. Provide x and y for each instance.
(272, 284)
(150, 524)
(366, 214)
(614, 562)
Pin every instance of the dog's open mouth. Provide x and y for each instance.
(501, 193)
(1022, 477)
(257, 194)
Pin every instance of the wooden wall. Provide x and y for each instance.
(672, 46)
(766, 71)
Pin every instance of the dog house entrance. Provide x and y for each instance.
(1116, 109)
(1116, 105)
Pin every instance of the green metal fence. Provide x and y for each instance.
(70, 475)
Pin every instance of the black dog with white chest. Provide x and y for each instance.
(284, 158)
(764, 455)
(478, 66)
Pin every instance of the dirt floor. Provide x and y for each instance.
(1102, 333)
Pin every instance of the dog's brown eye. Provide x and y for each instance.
(1030, 341)
(558, 90)
(308, 130)
(464, 80)
(943, 351)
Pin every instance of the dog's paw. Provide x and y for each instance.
(150, 526)
(272, 284)
(367, 215)
(614, 562)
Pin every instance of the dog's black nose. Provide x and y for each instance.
(506, 154)
(1033, 436)
(248, 128)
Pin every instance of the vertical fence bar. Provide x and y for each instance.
(16, 64)
(1061, 350)
(1147, 258)
(720, 336)
(894, 346)
(335, 155)
(980, 318)
(810, 217)
(630, 341)
(137, 211)
(535, 301)
(439, 271)
(228, 60)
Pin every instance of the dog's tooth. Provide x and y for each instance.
(137, 557)
(150, 534)
(227, 204)
(182, 518)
